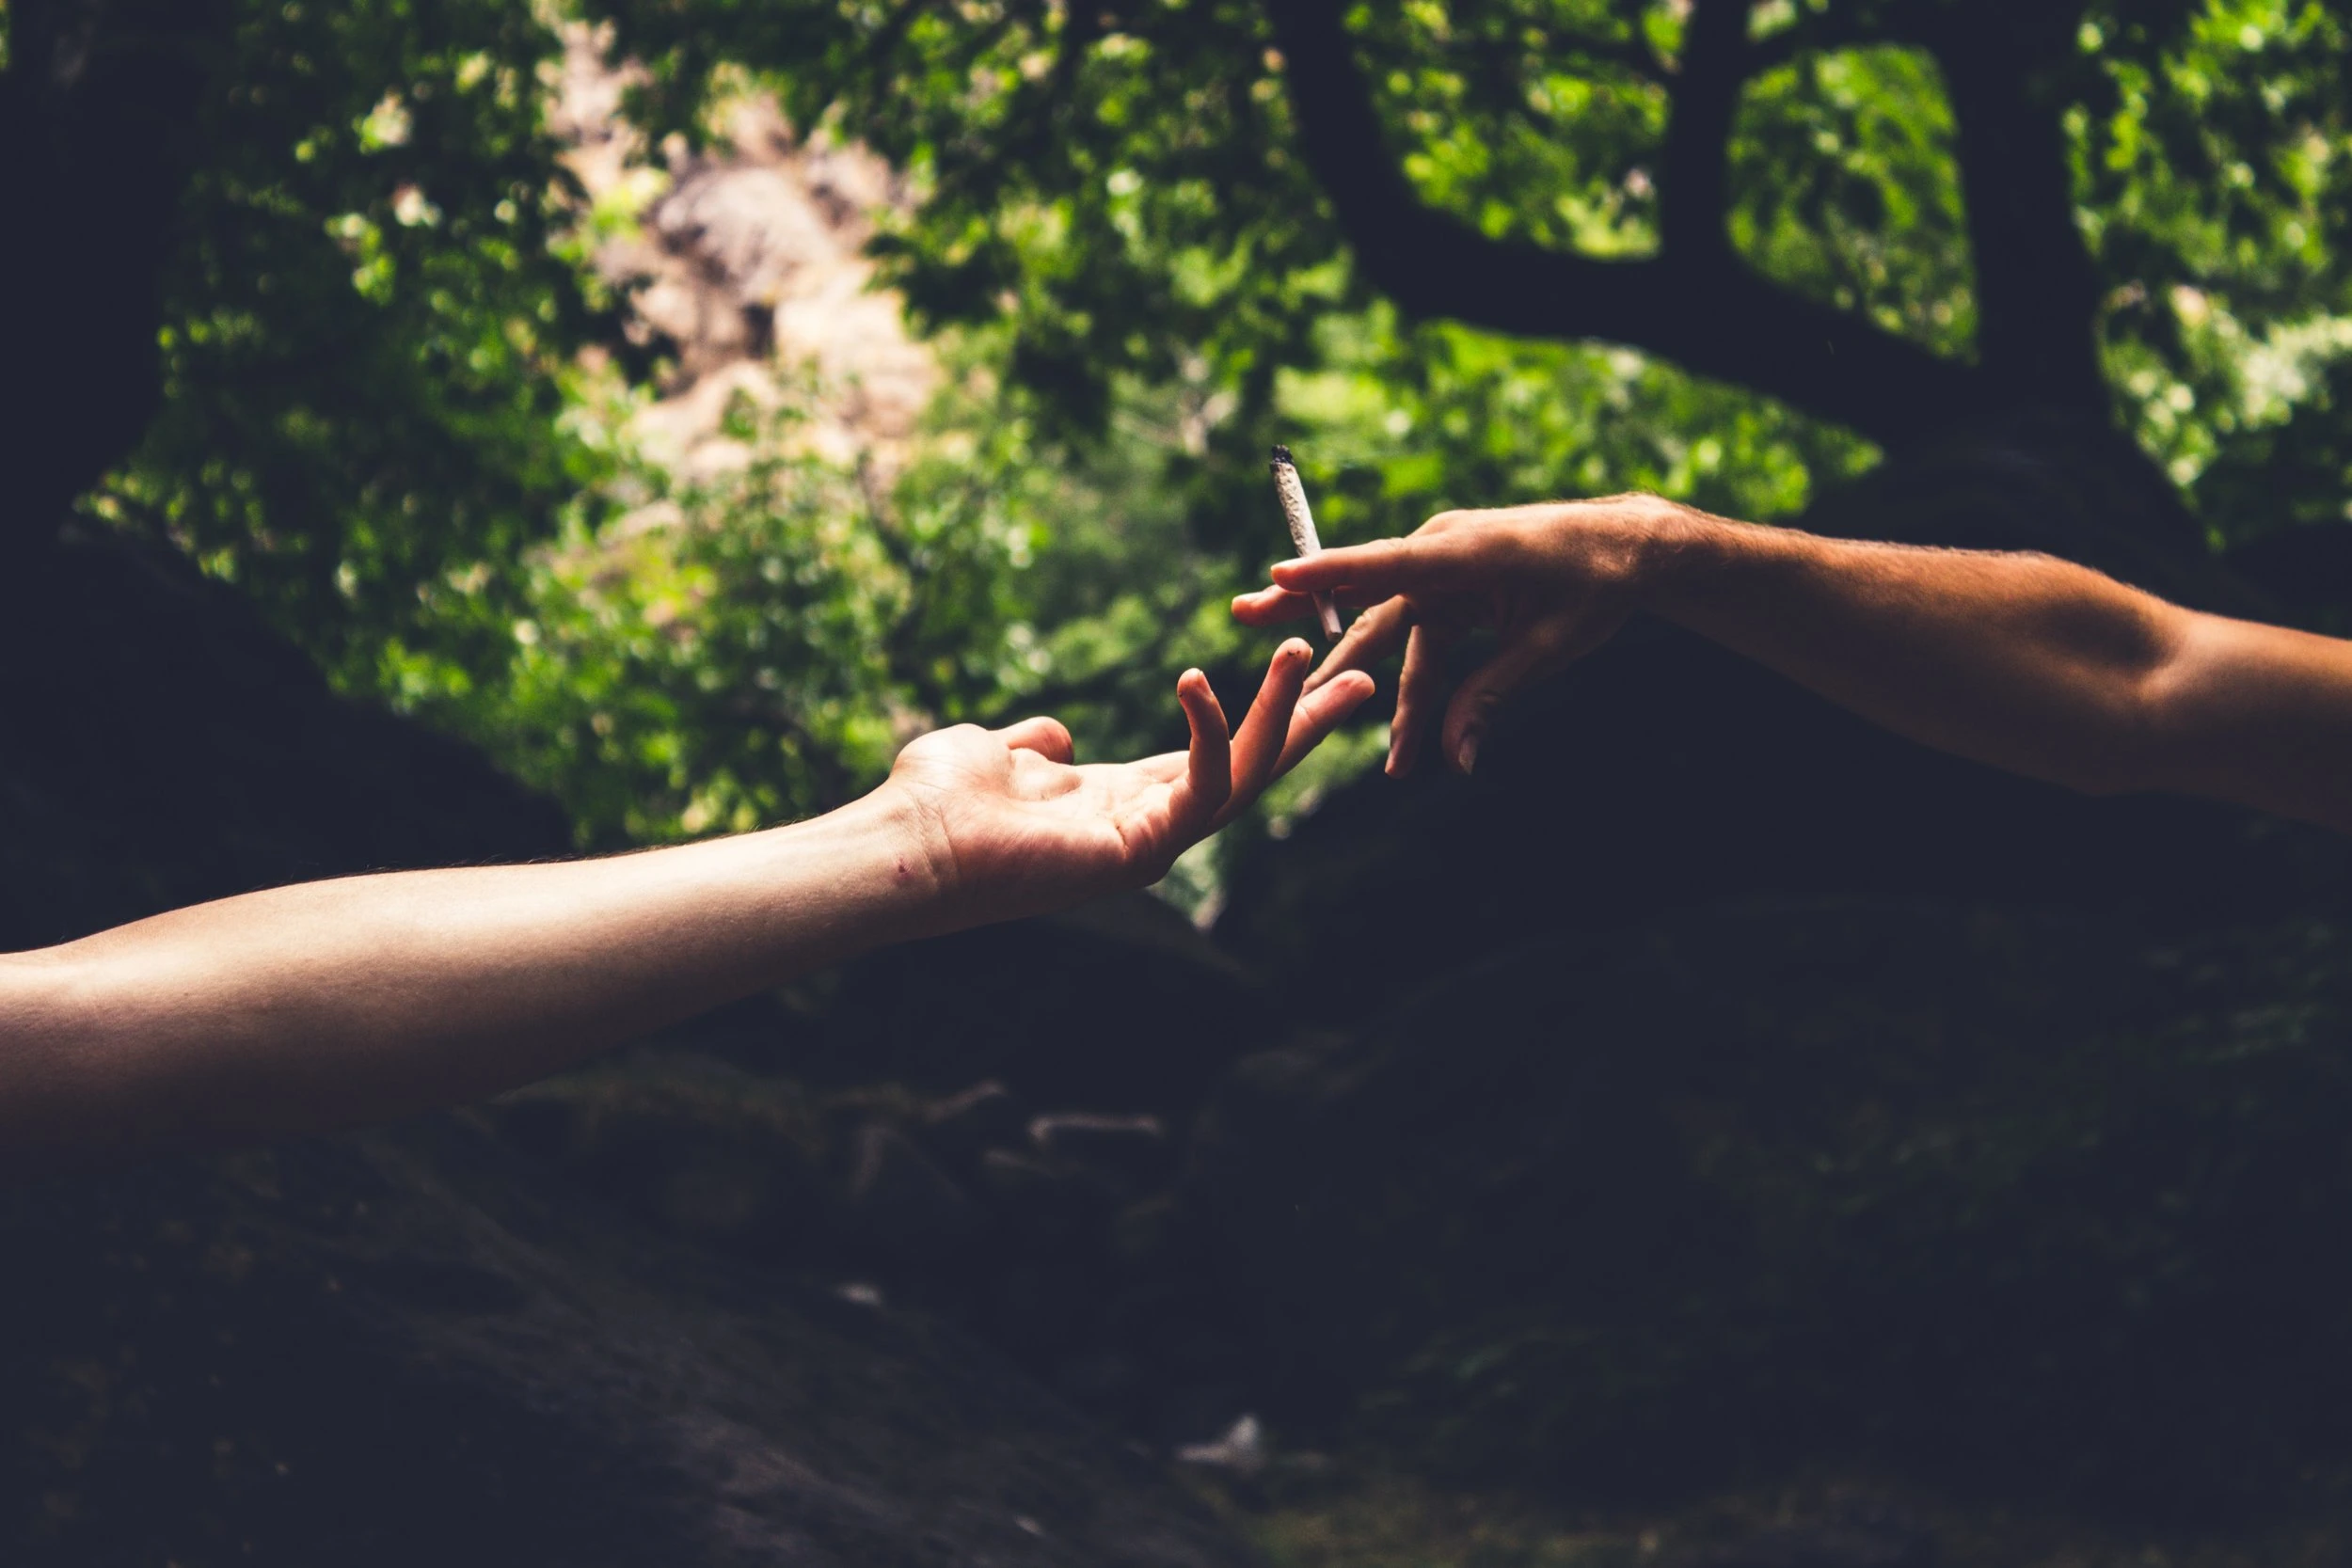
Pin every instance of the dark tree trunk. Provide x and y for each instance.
(2037, 294)
(1694, 301)
(96, 109)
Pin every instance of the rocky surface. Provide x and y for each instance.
(2021, 1199)
(409, 1347)
(1909, 1183)
(1055, 1238)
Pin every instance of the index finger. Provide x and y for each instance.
(1270, 606)
(1381, 569)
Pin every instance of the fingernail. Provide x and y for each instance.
(1466, 753)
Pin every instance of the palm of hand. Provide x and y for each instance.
(1013, 826)
(1016, 818)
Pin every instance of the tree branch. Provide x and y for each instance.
(1704, 309)
(96, 109)
(1693, 170)
(2037, 292)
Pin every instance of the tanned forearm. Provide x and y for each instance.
(2019, 660)
(2026, 662)
(339, 1002)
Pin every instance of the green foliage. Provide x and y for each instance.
(1845, 182)
(1124, 187)
(2211, 163)
(1125, 236)
(742, 648)
(1129, 202)
(1120, 199)
(1397, 423)
(375, 423)
(754, 646)
(713, 660)
(366, 331)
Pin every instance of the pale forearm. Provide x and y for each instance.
(332, 1003)
(317, 1006)
(2026, 662)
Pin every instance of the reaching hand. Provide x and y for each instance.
(1012, 828)
(1552, 582)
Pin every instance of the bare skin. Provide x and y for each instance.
(2030, 663)
(321, 1006)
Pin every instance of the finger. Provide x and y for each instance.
(1271, 607)
(1047, 738)
(1208, 779)
(1473, 710)
(1372, 637)
(1258, 745)
(1320, 713)
(1312, 720)
(1382, 568)
(1420, 691)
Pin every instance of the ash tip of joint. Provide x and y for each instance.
(1282, 454)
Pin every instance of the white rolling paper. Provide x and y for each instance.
(1302, 526)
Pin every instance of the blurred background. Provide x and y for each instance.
(452, 431)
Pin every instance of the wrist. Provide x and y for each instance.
(881, 862)
(1677, 551)
(916, 848)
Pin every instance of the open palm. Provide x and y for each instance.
(1015, 827)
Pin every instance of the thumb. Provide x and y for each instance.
(1481, 695)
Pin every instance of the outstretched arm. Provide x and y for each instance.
(320, 1005)
(2022, 661)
